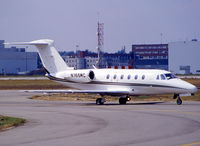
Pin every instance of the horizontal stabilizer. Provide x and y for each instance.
(49, 55)
(36, 43)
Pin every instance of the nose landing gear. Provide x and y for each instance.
(178, 101)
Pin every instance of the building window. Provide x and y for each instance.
(129, 76)
(122, 76)
(114, 77)
(136, 77)
(108, 76)
(143, 77)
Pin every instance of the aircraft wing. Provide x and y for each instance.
(104, 92)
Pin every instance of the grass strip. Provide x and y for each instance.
(8, 122)
(29, 84)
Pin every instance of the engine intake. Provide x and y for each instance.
(91, 75)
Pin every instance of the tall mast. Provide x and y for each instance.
(100, 36)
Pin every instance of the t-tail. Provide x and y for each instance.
(51, 59)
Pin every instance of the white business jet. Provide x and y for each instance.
(115, 82)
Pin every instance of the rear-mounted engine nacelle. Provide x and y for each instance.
(91, 75)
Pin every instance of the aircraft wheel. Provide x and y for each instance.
(122, 100)
(179, 101)
(99, 101)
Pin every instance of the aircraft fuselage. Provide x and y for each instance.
(135, 81)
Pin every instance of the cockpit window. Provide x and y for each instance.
(162, 77)
(170, 76)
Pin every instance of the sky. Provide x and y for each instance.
(74, 22)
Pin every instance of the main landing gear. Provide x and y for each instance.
(100, 101)
(123, 100)
(178, 101)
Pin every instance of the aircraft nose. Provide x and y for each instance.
(194, 89)
(190, 88)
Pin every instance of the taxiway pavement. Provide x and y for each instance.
(86, 124)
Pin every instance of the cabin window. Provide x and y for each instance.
(122, 76)
(108, 76)
(162, 77)
(129, 76)
(143, 77)
(115, 76)
(136, 77)
(157, 78)
(170, 76)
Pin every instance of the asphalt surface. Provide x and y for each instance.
(66, 123)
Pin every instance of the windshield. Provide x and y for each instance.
(170, 76)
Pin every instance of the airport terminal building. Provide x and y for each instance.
(180, 57)
(150, 56)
